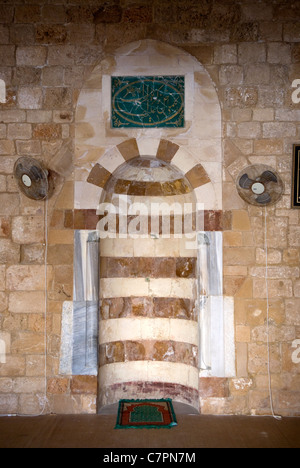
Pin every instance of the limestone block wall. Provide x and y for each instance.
(248, 53)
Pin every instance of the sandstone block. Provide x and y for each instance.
(29, 384)
(21, 34)
(274, 256)
(3, 132)
(241, 360)
(35, 365)
(53, 76)
(8, 403)
(213, 387)
(51, 34)
(135, 351)
(233, 239)
(9, 252)
(61, 55)
(3, 303)
(7, 147)
(291, 32)
(225, 54)
(20, 131)
(257, 74)
(108, 14)
(47, 131)
(14, 366)
(268, 146)
(278, 130)
(250, 12)
(28, 229)
(32, 254)
(57, 386)
(294, 236)
(258, 358)
(29, 147)
(276, 288)
(6, 13)
(288, 402)
(276, 334)
(239, 256)
(25, 278)
(249, 130)
(25, 76)
(279, 53)
(9, 204)
(2, 277)
(262, 115)
(12, 116)
(275, 272)
(292, 311)
(252, 53)
(27, 14)
(270, 31)
(31, 56)
(84, 384)
(58, 98)
(31, 404)
(4, 34)
(241, 96)
(240, 386)
(77, 31)
(28, 343)
(7, 55)
(6, 385)
(36, 322)
(240, 221)
(60, 254)
(231, 75)
(243, 334)
(51, 14)
(30, 98)
(22, 302)
(259, 401)
(138, 14)
(89, 404)
(277, 230)
(245, 32)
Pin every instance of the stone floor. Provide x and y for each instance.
(193, 431)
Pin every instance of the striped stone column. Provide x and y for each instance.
(148, 321)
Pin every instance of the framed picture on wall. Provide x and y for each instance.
(296, 177)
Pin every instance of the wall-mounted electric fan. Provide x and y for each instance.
(33, 179)
(260, 185)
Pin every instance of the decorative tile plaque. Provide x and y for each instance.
(296, 178)
(147, 101)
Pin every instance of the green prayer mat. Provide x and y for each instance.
(146, 414)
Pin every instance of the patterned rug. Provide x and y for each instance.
(146, 414)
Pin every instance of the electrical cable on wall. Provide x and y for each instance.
(268, 323)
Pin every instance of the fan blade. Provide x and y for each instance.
(36, 173)
(245, 182)
(264, 199)
(268, 176)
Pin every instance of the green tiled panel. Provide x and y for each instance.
(147, 101)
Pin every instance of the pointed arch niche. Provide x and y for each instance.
(195, 151)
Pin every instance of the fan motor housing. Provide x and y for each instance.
(258, 188)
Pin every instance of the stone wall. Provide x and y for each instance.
(47, 51)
